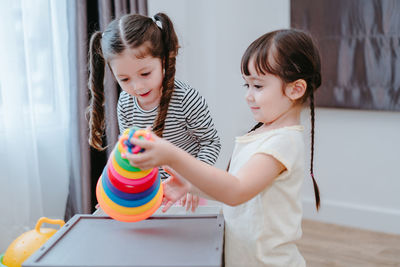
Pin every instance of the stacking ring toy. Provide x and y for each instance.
(125, 192)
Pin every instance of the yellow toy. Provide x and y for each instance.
(27, 243)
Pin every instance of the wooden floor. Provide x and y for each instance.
(332, 245)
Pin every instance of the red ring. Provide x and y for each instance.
(132, 185)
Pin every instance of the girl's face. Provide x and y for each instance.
(265, 96)
(139, 77)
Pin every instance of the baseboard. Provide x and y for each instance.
(362, 217)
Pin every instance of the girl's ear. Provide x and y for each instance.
(296, 89)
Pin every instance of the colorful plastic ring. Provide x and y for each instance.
(142, 133)
(124, 163)
(129, 203)
(122, 217)
(129, 211)
(123, 148)
(128, 196)
(130, 185)
(144, 179)
(125, 173)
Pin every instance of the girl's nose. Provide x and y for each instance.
(135, 86)
(249, 95)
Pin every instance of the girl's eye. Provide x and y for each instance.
(257, 86)
(246, 85)
(146, 74)
(124, 80)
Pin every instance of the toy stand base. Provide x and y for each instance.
(161, 240)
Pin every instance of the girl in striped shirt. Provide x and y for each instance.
(141, 53)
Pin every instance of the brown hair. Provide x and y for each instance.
(130, 31)
(290, 55)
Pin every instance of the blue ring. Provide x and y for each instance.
(124, 195)
(130, 203)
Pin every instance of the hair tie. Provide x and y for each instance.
(157, 22)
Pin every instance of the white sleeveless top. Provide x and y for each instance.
(262, 231)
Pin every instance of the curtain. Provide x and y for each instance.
(34, 114)
(359, 42)
(92, 16)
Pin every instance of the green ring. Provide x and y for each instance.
(124, 163)
(1, 260)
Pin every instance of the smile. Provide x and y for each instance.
(145, 94)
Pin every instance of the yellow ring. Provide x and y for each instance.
(121, 148)
(126, 132)
(128, 174)
(130, 211)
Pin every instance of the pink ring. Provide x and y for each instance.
(131, 185)
(133, 182)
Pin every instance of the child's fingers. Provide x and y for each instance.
(142, 161)
(195, 202)
(167, 170)
(140, 142)
(188, 201)
(170, 171)
(167, 206)
(164, 201)
(183, 201)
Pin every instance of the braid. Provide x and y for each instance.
(316, 190)
(258, 125)
(96, 87)
(171, 47)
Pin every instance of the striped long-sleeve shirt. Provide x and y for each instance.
(188, 123)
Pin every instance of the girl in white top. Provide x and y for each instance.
(262, 189)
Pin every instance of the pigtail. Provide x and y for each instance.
(96, 87)
(171, 46)
(312, 113)
(258, 125)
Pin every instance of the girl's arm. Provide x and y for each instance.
(255, 175)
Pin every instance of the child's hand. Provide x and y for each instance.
(156, 152)
(190, 201)
(175, 187)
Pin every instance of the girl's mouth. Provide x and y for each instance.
(145, 94)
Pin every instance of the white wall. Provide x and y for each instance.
(357, 167)
(356, 151)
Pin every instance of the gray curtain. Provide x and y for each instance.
(359, 42)
(90, 16)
